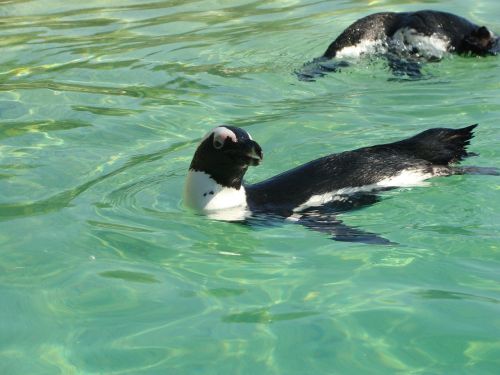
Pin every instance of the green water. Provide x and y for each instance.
(102, 104)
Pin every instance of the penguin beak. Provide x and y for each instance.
(247, 152)
(254, 154)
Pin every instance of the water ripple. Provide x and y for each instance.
(64, 199)
(102, 271)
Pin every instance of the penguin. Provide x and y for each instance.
(313, 194)
(405, 39)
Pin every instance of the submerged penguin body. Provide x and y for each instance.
(406, 40)
(407, 30)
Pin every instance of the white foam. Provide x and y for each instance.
(435, 45)
(294, 217)
(229, 214)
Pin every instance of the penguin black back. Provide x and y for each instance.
(428, 153)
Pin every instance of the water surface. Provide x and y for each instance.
(103, 272)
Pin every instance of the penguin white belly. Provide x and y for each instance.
(364, 47)
(406, 178)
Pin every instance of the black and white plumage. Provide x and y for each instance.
(313, 192)
(406, 39)
(214, 183)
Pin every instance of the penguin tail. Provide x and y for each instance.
(440, 146)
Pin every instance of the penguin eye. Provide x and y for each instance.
(218, 144)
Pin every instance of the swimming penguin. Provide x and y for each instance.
(337, 182)
(406, 39)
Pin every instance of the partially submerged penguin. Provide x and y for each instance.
(313, 193)
(406, 39)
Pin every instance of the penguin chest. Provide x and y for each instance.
(204, 194)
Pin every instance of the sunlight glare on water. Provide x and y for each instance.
(102, 271)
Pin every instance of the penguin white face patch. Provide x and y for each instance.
(221, 133)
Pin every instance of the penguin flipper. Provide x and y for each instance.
(324, 219)
(404, 67)
(339, 231)
(319, 67)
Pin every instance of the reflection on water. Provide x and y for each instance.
(102, 270)
(443, 294)
(263, 316)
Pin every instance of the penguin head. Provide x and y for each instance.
(225, 154)
(482, 42)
